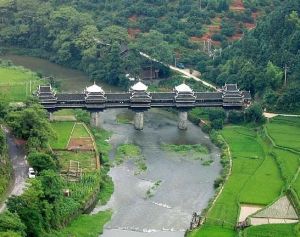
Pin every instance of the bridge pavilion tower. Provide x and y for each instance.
(140, 100)
(184, 99)
(95, 102)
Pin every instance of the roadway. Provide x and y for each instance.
(20, 168)
(182, 71)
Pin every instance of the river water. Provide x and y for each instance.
(69, 79)
(185, 184)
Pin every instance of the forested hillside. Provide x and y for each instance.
(258, 61)
(95, 36)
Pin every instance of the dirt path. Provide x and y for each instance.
(271, 115)
(20, 168)
(182, 71)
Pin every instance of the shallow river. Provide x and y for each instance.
(185, 184)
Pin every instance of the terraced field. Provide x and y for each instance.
(261, 172)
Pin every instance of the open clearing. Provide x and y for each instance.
(17, 83)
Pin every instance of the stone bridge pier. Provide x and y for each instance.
(139, 120)
(95, 119)
(182, 122)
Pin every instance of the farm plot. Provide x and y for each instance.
(285, 132)
(63, 132)
(86, 159)
(80, 139)
(247, 155)
(17, 83)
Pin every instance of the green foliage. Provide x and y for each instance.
(41, 161)
(194, 151)
(85, 226)
(257, 61)
(31, 123)
(2, 142)
(82, 116)
(254, 114)
(11, 222)
(235, 117)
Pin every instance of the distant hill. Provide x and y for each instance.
(258, 61)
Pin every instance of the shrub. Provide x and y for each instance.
(41, 161)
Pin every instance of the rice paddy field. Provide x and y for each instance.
(261, 172)
(17, 83)
(285, 132)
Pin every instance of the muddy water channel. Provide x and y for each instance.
(180, 184)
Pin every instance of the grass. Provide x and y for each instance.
(131, 151)
(86, 225)
(15, 83)
(63, 131)
(285, 132)
(213, 231)
(85, 158)
(124, 118)
(80, 131)
(64, 112)
(107, 189)
(272, 230)
(193, 151)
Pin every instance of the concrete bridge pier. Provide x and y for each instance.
(51, 116)
(95, 119)
(139, 120)
(182, 123)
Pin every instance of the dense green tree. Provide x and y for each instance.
(41, 161)
(235, 117)
(155, 46)
(11, 222)
(254, 114)
(31, 124)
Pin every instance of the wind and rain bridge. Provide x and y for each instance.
(95, 100)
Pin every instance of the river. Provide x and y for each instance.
(69, 79)
(186, 185)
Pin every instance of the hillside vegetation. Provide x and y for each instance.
(257, 61)
(94, 36)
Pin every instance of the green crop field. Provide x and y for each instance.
(80, 131)
(17, 83)
(63, 131)
(264, 185)
(259, 173)
(285, 131)
(284, 230)
(247, 155)
(214, 231)
(86, 159)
